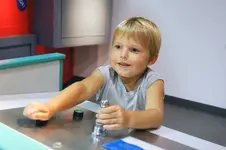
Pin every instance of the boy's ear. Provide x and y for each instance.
(151, 62)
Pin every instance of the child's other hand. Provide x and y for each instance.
(113, 117)
(37, 111)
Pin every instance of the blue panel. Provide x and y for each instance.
(120, 145)
(11, 139)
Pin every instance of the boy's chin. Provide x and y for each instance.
(125, 74)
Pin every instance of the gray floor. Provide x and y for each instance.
(199, 124)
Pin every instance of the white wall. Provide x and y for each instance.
(193, 51)
(88, 58)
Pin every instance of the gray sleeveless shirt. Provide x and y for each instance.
(114, 90)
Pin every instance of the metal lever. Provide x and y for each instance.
(98, 129)
(104, 103)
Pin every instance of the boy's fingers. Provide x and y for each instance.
(112, 127)
(110, 109)
(34, 107)
(28, 111)
(108, 116)
(40, 116)
(108, 121)
(42, 109)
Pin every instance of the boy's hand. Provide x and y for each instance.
(113, 117)
(37, 111)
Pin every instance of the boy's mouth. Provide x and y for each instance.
(123, 64)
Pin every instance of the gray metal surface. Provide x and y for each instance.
(14, 52)
(63, 133)
(17, 46)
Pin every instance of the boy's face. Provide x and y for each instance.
(128, 57)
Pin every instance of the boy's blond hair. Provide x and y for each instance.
(143, 31)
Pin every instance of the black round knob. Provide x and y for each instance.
(78, 114)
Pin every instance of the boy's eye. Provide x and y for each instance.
(117, 46)
(134, 50)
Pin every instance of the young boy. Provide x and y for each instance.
(135, 91)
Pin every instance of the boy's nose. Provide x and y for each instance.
(124, 54)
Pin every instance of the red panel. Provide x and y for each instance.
(30, 10)
(12, 21)
(15, 22)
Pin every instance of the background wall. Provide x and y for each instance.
(192, 58)
(14, 22)
(87, 58)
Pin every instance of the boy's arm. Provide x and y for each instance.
(152, 116)
(76, 93)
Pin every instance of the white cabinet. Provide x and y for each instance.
(70, 23)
